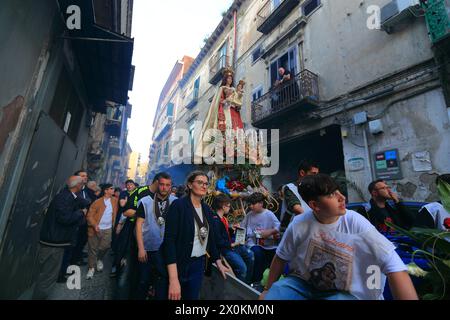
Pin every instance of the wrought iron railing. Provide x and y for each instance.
(304, 85)
(268, 8)
(192, 99)
(114, 146)
(217, 64)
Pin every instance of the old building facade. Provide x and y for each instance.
(55, 80)
(163, 123)
(367, 99)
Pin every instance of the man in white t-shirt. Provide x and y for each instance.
(334, 253)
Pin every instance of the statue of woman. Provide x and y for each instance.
(224, 112)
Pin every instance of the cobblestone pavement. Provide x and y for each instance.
(101, 287)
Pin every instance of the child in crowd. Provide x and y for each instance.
(334, 253)
(262, 232)
(237, 255)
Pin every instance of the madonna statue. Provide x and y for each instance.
(224, 112)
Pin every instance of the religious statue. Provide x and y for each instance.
(224, 111)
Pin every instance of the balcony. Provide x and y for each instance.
(113, 125)
(114, 147)
(192, 99)
(270, 15)
(164, 128)
(217, 64)
(296, 96)
(116, 166)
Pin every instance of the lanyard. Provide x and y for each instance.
(202, 225)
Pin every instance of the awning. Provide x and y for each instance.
(104, 58)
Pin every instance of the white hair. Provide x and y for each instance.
(74, 181)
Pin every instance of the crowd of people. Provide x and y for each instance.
(163, 238)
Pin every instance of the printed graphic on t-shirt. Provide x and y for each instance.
(329, 268)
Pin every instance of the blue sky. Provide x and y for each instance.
(164, 31)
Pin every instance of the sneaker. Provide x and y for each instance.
(90, 274)
(99, 265)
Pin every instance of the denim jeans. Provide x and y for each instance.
(153, 272)
(242, 260)
(294, 288)
(263, 259)
(191, 279)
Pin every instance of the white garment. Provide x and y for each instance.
(106, 221)
(345, 255)
(294, 188)
(260, 221)
(199, 250)
(439, 214)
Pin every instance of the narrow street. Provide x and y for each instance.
(224, 150)
(101, 287)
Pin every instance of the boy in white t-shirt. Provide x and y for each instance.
(262, 232)
(334, 253)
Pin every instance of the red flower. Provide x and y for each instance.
(235, 186)
(447, 223)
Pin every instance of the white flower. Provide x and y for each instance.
(415, 270)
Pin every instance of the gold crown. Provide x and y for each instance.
(228, 71)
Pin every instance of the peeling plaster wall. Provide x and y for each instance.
(413, 125)
(346, 54)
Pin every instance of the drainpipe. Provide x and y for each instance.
(235, 39)
(367, 151)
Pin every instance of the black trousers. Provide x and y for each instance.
(82, 238)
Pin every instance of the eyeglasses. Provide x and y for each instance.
(201, 183)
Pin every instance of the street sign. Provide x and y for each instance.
(387, 165)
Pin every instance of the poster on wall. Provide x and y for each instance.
(387, 165)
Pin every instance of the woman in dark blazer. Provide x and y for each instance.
(188, 239)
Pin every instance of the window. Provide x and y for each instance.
(170, 109)
(257, 93)
(256, 54)
(158, 155)
(223, 56)
(275, 4)
(310, 6)
(287, 61)
(166, 149)
(196, 88)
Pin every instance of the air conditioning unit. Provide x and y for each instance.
(397, 11)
